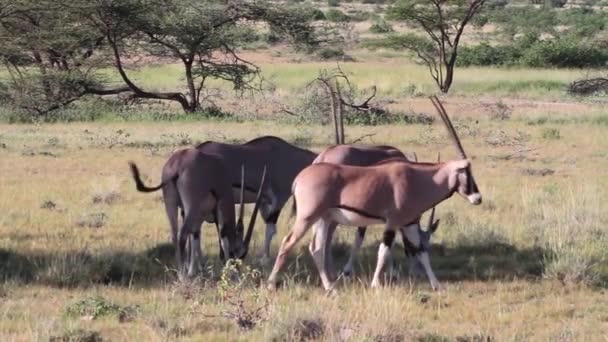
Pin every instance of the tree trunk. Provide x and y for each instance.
(194, 103)
(449, 77)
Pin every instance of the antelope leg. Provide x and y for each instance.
(384, 253)
(329, 259)
(289, 241)
(348, 268)
(317, 250)
(413, 236)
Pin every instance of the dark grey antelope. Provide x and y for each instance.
(358, 155)
(199, 183)
(284, 162)
(394, 192)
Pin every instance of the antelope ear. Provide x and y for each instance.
(461, 164)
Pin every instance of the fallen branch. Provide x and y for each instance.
(362, 137)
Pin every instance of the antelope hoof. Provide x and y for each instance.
(437, 287)
(265, 260)
(272, 286)
(331, 293)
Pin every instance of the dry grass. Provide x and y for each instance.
(523, 266)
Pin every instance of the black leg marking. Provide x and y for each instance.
(272, 217)
(389, 237)
(361, 231)
(196, 235)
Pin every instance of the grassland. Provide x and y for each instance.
(395, 76)
(82, 253)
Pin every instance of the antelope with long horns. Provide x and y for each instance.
(200, 184)
(284, 162)
(395, 192)
(357, 155)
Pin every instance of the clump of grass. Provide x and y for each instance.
(48, 204)
(77, 335)
(299, 329)
(537, 172)
(551, 134)
(93, 308)
(109, 197)
(92, 220)
(245, 308)
(569, 226)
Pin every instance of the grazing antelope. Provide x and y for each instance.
(395, 192)
(365, 156)
(284, 162)
(198, 183)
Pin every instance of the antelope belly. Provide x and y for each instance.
(351, 218)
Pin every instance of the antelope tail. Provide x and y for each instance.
(139, 183)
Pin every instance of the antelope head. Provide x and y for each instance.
(242, 240)
(461, 177)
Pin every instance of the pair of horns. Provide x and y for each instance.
(256, 208)
(448, 124)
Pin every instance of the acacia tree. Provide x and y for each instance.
(203, 35)
(57, 51)
(50, 59)
(442, 23)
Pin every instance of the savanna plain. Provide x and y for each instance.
(84, 256)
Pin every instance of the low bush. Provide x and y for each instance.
(336, 16)
(381, 26)
(328, 53)
(559, 53)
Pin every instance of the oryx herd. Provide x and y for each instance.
(352, 185)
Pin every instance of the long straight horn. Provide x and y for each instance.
(415, 157)
(449, 126)
(241, 200)
(255, 209)
(432, 226)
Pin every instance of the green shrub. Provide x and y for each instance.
(330, 53)
(357, 15)
(551, 134)
(528, 51)
(317, 14)
(336, 16)
(381, 26)
(564, 53)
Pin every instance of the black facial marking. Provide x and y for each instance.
(469, 182)
(389, 237)
(410, 248)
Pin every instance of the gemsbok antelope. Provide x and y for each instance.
(357, 155)
(395, 192)
(200, 185)
(284, 162)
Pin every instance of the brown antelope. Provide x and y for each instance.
(395, 192)
(200, 185)
(356, 155)
(284, 162)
